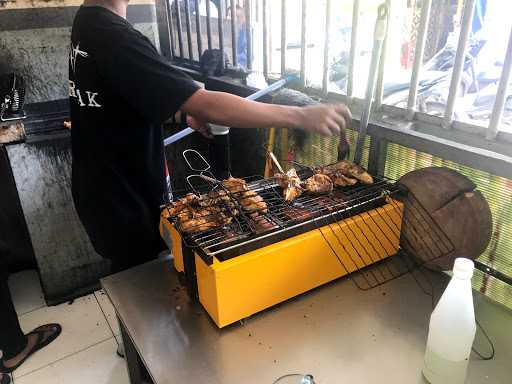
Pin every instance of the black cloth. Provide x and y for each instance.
(12, 339)
(121, 91)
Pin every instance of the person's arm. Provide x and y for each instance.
(227, 109)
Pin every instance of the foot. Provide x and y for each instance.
(37, 339)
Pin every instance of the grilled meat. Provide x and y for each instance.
(340, 180)
(353, 170)
(318, 183)
(347, 169)
(292, 213)
(217, 208)
(219, 198)
(176, 207)
(252, 202)
(290, 183)
(261, 223)
(249, 200)
(235, 185)
(202, 219)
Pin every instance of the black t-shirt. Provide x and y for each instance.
(121, 91)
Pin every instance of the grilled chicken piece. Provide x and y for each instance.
(176, 207)
(340, 180)
(318, 183)
(345, 168)
(203, 219)
(252, 202)
(353, 170)
(290, 183)
(235, 185)
(219, 198)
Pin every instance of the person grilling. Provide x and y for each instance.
(121, 91)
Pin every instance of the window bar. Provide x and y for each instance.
(353, 44)
(283, 37)
(265, 38)
(501, 94)
(248, 32)
(465, 28)
(379, 89)
(199, 34)
(180, 34)
(221, 33)
(170, 26)
(209, 24)
(234, 33)
(270, 46)
(303, 46)
(325, 77)
(419, 51)
(189, 30)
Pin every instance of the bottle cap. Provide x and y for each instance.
(463, 268)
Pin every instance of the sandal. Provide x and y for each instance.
(5, 379)
(41, 342)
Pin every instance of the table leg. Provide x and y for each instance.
(136, 370)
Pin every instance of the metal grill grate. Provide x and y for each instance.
(363, 226)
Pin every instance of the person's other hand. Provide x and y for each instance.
(200, 126)
(326, 119)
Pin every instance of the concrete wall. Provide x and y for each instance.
(34, 41)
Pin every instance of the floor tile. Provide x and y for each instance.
(108, 310)
(98, 364)
(26, 291)
(83, 325)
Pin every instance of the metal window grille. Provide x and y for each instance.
(389, 151)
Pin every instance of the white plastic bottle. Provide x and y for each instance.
(452, 329)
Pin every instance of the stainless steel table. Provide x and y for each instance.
(337, 333)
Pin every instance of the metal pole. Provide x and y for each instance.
(234, 33)
(379, 36)
(283, 37)
(465, 29)
(189, 31)
(501, 95)
(325, 78)
(265, 39)
(353, 44)
(170, 28)
(208, 24)
(221, 33)
(419, 51)
(379, 91)
(180, 35)
(256, 95)
(303, 46)
(198, 31)
(248, 33)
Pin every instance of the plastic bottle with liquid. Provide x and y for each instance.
(452, 329)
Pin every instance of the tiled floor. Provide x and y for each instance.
(86, 350)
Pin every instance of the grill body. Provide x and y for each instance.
(263, 275)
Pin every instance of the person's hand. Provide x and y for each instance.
(326, 119)
(200, 126)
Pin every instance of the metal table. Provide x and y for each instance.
(337, 333)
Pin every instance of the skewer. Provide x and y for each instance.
(276, 162)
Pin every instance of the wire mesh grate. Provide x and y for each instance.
(377, 232)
